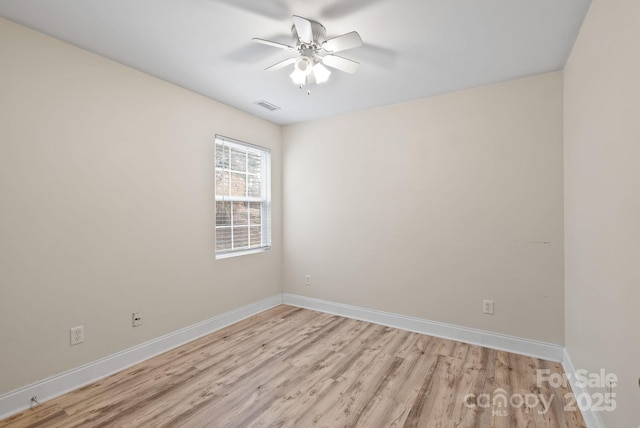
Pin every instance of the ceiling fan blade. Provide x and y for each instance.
(340, 63)
(274, 44)
(342, 43)
(303, 28)
(281, 64)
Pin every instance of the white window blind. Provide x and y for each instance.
(243, 198)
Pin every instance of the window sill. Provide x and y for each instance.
(241, 253)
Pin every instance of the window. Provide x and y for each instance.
(243, 200)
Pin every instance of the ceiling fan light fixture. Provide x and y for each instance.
(304, 64)
(299, 77)
(321, 73)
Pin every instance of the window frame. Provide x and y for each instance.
(264, 199)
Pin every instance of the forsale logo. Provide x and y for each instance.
(584, 379)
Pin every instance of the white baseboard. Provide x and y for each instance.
(20, 399)
(591, 418)
(547, 351)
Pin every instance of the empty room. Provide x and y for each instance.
(338, 213)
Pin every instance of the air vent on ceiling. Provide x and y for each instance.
(267, 105)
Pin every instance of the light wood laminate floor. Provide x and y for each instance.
(291, 367)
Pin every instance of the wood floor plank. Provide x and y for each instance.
(292, 367)
(348, 372)
(309, 365)
(319, 364)
(502, 390)
(471, 384)
(391, 406)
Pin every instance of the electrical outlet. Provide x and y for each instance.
(136, 319)
(307, 280)
(487, 307)
(77, 335)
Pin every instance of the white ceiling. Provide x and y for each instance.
(412, 48)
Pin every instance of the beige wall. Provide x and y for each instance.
(427, 208)
(602, 186)
(106, 193)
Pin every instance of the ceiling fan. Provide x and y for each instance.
(314, 51)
